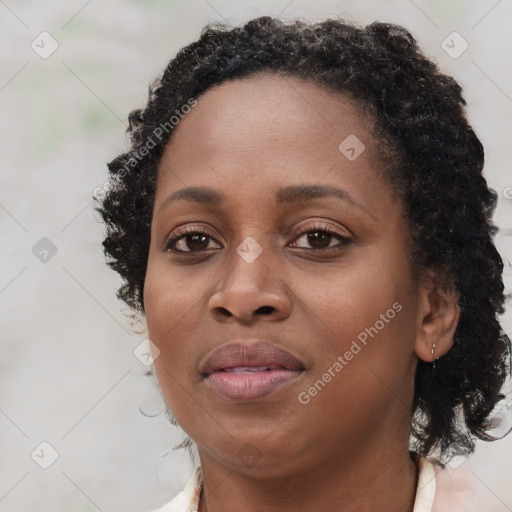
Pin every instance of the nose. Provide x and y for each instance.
(249, 291)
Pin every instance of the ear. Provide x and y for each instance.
(438, 317)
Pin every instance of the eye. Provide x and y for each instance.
(190, 240)
(196, 241)
(320, 238)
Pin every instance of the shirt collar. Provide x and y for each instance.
(426, 487)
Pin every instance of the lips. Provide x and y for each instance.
(249, 370)
(250, 355)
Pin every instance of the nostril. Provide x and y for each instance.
(265, 310)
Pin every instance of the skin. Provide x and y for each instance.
(347, 449)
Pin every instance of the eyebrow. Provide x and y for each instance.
(286, 195)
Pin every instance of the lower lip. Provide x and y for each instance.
(252, 385)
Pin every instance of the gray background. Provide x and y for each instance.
(68, 375)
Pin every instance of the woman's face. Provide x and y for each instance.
(298, 241)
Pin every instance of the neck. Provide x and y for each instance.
(362, 482)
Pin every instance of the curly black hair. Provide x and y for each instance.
(433, 160)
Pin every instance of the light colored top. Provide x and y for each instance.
(188, 499)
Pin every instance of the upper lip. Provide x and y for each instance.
(254, 353)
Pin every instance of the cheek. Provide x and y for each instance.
(169, 298)
(175, 308)
(371, 328)
(367, 315)
(349, 300)
(168, 305)
(159, 304)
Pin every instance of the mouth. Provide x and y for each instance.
(252, 369)
(248, 371)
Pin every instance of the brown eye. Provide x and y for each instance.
(189, 242)
(320, 239)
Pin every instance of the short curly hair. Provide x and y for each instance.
(434, 162)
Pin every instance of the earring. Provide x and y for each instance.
(433, 347)
(434, 365)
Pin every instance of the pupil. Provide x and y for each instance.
(318, 236)
(196, 241)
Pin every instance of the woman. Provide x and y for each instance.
(303, 222)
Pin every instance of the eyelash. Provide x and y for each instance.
(344, 241)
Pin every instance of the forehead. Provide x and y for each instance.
(280, 127)
(272, 93)
(267, 105)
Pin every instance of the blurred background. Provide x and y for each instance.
(81, 420)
